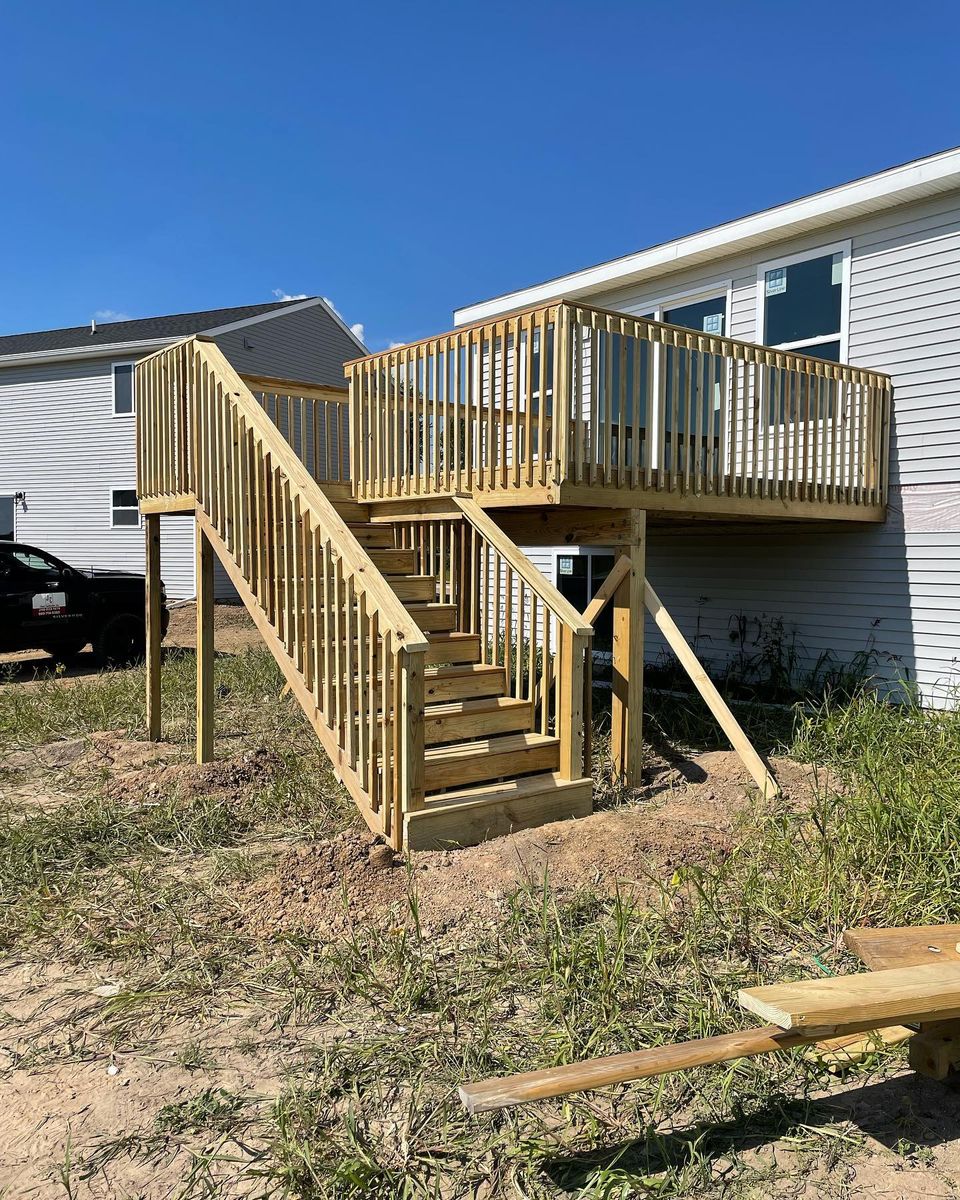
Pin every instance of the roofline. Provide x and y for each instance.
(148, 345)
(897, 185)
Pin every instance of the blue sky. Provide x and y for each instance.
(404, 159)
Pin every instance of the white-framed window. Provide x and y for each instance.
(124, 398)
(803, 302)
(124, 510)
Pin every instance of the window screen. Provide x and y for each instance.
(124, 507)
(123, 389)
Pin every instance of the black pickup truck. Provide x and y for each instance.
(47, 605)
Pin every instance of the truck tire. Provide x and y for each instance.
(122, 640)
(64, 651)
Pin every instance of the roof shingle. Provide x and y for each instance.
(142, 330)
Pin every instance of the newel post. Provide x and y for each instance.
(574, 648)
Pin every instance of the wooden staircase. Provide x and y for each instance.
(443, 674)
(487, 770)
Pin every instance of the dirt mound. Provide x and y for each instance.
(135, 773)
(686, 817)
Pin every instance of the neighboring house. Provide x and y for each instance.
(867, 273)
(67, 436)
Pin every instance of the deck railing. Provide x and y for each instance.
(523, 622)
(587, 398)
(314, 420)
(350, 650)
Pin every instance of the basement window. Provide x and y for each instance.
(123, 396)
(124, 510)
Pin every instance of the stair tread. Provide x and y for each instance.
(508, 743)
(452, 635)
(508, 789)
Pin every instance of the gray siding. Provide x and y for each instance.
(308, 345)
(890, 590)
(61, 444)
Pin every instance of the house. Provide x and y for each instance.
(867, 273)
(68, 467)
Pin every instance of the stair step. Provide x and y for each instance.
(452, 648)
(457, 720)
(471, 815)
(489, 758)
(371, 535)
(434, 617)
(414, 587)
(353, 513)
(393, 562)
(462, 681)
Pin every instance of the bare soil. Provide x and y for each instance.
(71, 1093)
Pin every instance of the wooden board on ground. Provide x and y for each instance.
(902, 995)
(912, 946)
(837, 1053)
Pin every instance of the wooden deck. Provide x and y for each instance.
(373, 533)
(569, 405)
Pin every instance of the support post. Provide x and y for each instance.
(570, 717)
(153, 623)
(410, 764)
(204, 647)
(627, 701)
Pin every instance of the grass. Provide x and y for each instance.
(385, 1026)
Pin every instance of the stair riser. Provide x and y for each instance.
(423, 591)
(465, 651)
(460, 728)
(462, 771)
(390, 562)
(464, 687)
(434, 620)
(373, 536)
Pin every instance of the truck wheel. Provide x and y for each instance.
(64, 651)
(122, 640)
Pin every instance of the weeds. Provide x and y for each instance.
(399, 1020)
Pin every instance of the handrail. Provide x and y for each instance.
(400, 624)
(276, 386)
(535, 580)
(523, 623)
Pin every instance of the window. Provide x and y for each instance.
(7, 510)
(802, 303)
(123, 397)
(124, 510)
(28, 562)
(578, 578)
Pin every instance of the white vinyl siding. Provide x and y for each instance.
(893, 589)
(61, 445)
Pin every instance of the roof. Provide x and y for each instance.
(145, 329)
(910, 181)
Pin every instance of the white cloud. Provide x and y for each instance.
(282, 295)
(109, 314)
(357, 330)
(394, 345)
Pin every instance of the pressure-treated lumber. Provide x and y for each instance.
(704, 684)
(824, 1006)
(205, 637)
(154, 626)
(508, 1090)
(910, 946)
(626, 703)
